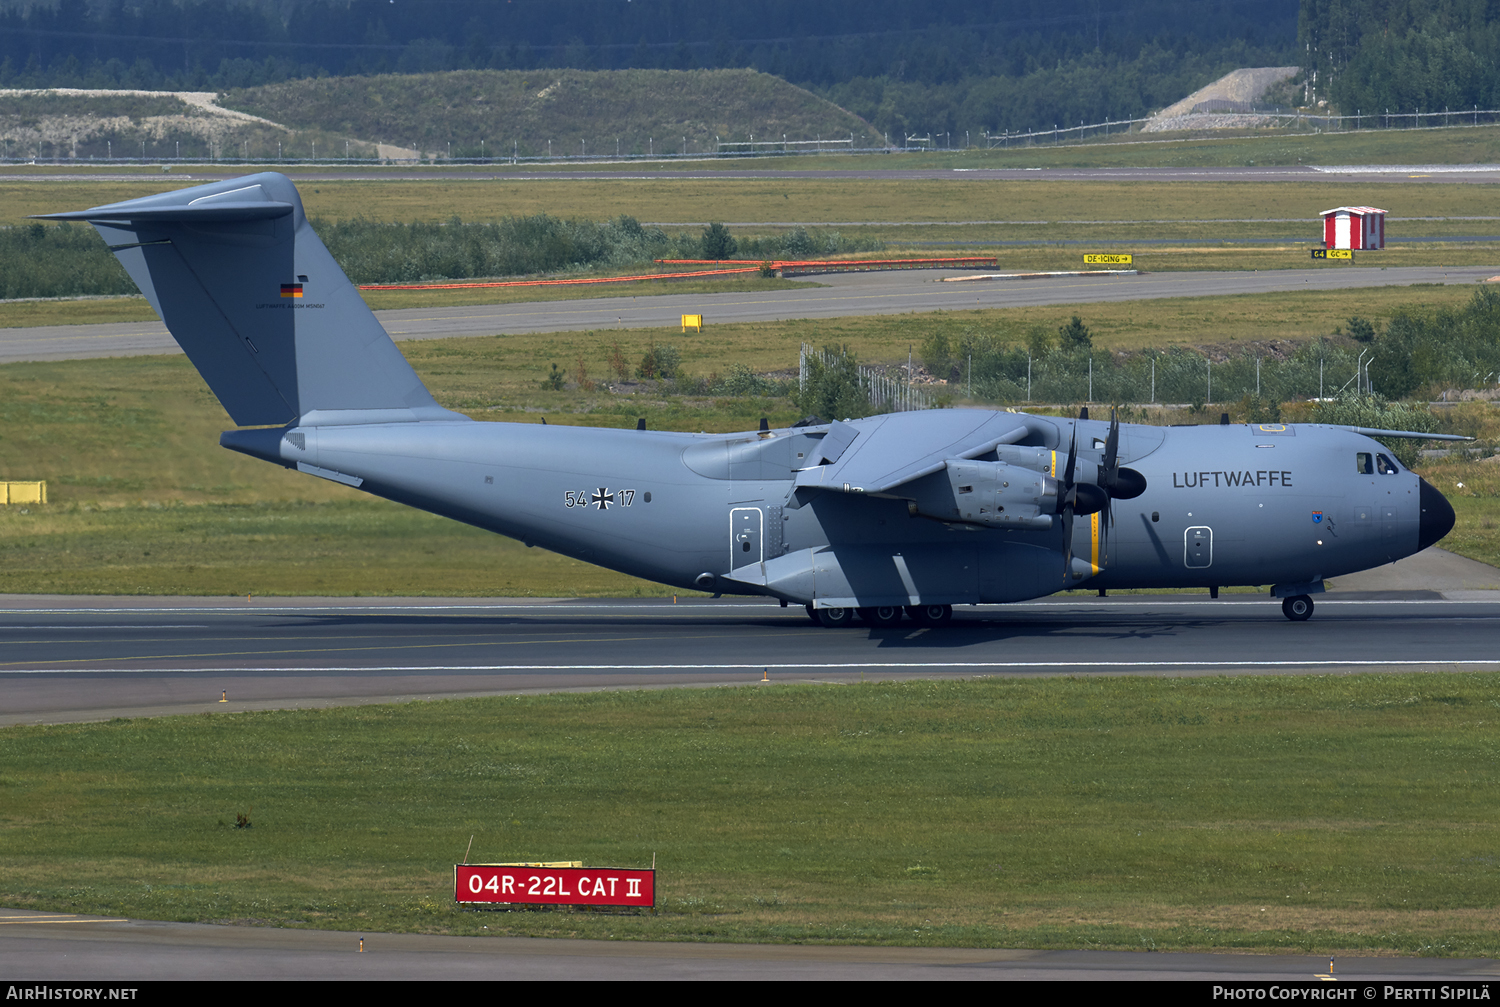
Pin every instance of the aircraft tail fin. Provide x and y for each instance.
(259, 305)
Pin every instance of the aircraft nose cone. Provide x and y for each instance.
(1437, 516)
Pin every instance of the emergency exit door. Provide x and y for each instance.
(746, 536)
(1198, 547)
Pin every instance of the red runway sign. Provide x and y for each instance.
(554, 886)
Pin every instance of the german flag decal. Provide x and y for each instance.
(291, 290)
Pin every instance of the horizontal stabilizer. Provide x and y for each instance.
(263, 210)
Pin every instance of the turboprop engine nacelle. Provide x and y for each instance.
(1094, 484)
(1048, 461)
(990, 493)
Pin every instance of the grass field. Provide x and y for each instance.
(311, 547)
(1207, 206)
(1318, 815)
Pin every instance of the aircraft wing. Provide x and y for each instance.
(1413, 435)
(878, 454)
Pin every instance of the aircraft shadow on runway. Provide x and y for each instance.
(961, 633)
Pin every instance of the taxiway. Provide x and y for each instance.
(839, 295)
(98, 950)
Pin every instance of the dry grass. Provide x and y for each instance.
(1292, 206)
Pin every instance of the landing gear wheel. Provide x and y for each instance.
(932, 615)
(836, 618)
(1298, 608)
(812, 614)
(881, 615)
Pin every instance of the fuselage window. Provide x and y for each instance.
(1363, 464)
(1385, 466)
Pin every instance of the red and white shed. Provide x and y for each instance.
(1354, 227)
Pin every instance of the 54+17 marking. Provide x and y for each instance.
(600, 498)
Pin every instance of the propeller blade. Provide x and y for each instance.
(1112, 445)
(1110, 477)
(1108, 527)
(1067, 529)
(1069, 504)
(1072, 457)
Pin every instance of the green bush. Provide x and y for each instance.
(718, 243)
(800, 243)
(373, 252)
(1445, 349)
(833, 389)
(937, 357)
(660, 363)
(1075, 335)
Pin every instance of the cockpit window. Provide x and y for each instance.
(1363, 464)
(1385, 466)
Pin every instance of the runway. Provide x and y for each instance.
(92, 659)
(841, 295)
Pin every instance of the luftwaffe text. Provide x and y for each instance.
(1244, 478)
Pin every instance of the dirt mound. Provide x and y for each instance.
(1244, 86)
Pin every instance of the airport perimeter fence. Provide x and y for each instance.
(1257, 116)
(1175, 376)
(1007, 376)
(886, 394)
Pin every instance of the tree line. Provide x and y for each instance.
(988, 64)
(1401, 55)
(67, 260)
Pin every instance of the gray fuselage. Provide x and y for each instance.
(1223, 505)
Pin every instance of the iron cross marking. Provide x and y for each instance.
(603, 498)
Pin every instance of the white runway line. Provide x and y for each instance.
(762, 665)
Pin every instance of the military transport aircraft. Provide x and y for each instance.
(902, 515)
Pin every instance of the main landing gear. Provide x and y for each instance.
(1298, 608)
(881, 616)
